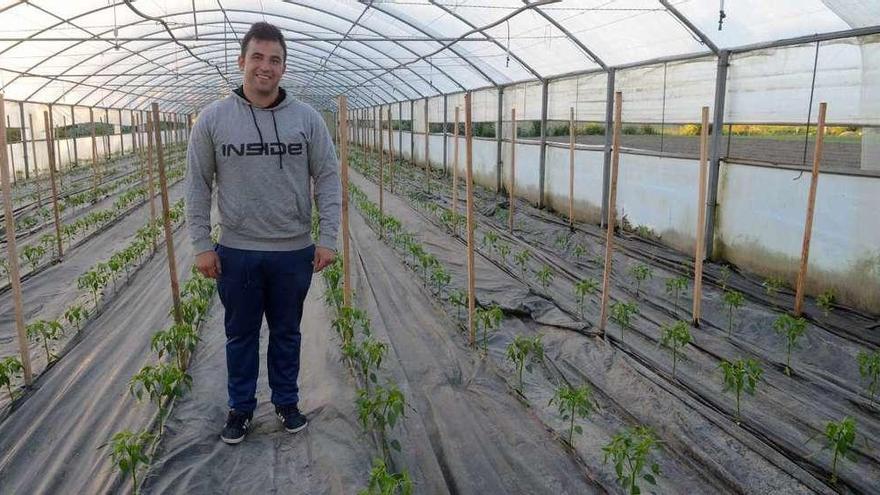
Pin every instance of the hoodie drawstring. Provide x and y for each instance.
(260, 133)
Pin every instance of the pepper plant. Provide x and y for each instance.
(127, 451)
(523, 352)
(488, 319)
(792, 329)
(622, 313)
(582, 289)
(773, 285)
(33, 255)
(503, 251)
(379, 409)
(545, 276)
(10, 367)
(179, 341)
(741, 375)
(674, 287)
(869, 369)
(574, 402)
(733, 300)
(162, 384)
(522, 259)
(383, 482)
(44, 331)
(440, 277)
(675, 337)
(75, 314)
(640, 273)
(826, 301)
(839, 438)
(458, 299)
(629, 450)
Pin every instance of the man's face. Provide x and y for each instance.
(263, 65)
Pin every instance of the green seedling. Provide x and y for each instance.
(440, 277)
(792, 329)
(674, 287)
(582, 289)
(724, 276)
(640, 273)
(368, 357)
(47, 241)
(162, 384)
(733, 300)
(379, 409)
(629, 450)
(458, 299)
(44, 331)
(503, 251)
(524, 352)
(773, 285)
(840, 438)
(675, 337)
(545, 276)
(869, 369)
(579, 251)
(33, 255)
(561, 240)
(10, 367)
(94, 280)
(127, 451)
(383, 482)
(75, 314)
(488, 319)
(741, 375)
(622, 313)
(427, 261)
(490, 240)
(826, 301)
(4, 267)
(179, 340)
(574, 403)
(645, 231)
(522, 259)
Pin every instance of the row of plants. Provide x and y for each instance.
(737, 375)
(628, 450)
(46, 332)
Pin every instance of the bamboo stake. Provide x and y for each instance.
(376, 132)
(571, 133)
(343, 164)
(12, 251)
(11, 154)
(455, 176)
(150, 188)
(612, 212)
(381, 179)
(36, 167)
(811, 205)
(50, 148)
(512, 189)
(166, 219)
(699, 250)
(390, 151)
(469, 155)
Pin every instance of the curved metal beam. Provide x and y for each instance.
(694, 29)
(573, 39)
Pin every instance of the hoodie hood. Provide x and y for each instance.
(280, 102)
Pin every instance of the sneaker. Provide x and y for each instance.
(236, 427)
(291, 418)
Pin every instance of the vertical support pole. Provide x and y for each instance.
(571, 137)
(612, 213)
(95, 168)
(811, 205)
(469, 155)
(24, 140)
(609, 123)
(427, 136)
(412, 131)
(166, 220)
(390, 151)
(715, 161)
(399, 133)
(11, 154)
(36, 166)
(511, 189)
(455, 175)
(73, 135)
(543, 171)
(699, 250)
(375, 134)
(106, 137)
(12, 252)
(343, 165)
(150, 187)
(50, 149)
(445, 136)
(121, 135)
(381, 176)
(67, 139)
(499, 139)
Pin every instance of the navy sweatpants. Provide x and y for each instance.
(253, 284)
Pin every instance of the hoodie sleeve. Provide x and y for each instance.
(324, 169)
(200, 170)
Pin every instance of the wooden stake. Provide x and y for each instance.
(469, 156)
(166, 218)
(699, 250)
(390, 151)
(150, 188)
(12, 251)
(381, 178)
(50, 148)
(427, 159)
(455, 176)
(612, 212)
(811, 205)
(343, 164)
(571, 133)
(511, 191)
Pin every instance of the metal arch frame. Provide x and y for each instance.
(491, 38)
(691, 26)
(378, 68)
(574, 39)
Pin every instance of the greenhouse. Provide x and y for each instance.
(498, 247)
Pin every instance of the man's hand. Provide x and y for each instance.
(323, 257)
(208, 264)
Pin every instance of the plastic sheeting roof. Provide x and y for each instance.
(183, 53)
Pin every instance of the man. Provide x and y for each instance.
(263, 148)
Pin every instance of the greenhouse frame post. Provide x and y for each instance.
(455, 152)
(399, 132)
(12, 253)
(73, 127)
(609, 123)
(445, 136)
(381, 176)
(612, 214)
(106, 138)
(150, 188)
(511, 190)
(36, 166)
(50, 149)
(699, 249)
(811, 205)
(343, 166)
(427, 138)
(121, 134)
(390, 152)
(412, 131)
(95, 173)
(545, 90)
(715, 160)
(499, 140)
(24, 140)
(469, 142)
(166, 220)
(571, 139)
(10, 154)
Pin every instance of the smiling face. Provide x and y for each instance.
(262, 65)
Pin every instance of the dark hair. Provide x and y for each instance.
(265, 32)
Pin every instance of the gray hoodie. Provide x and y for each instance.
(264, 160)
